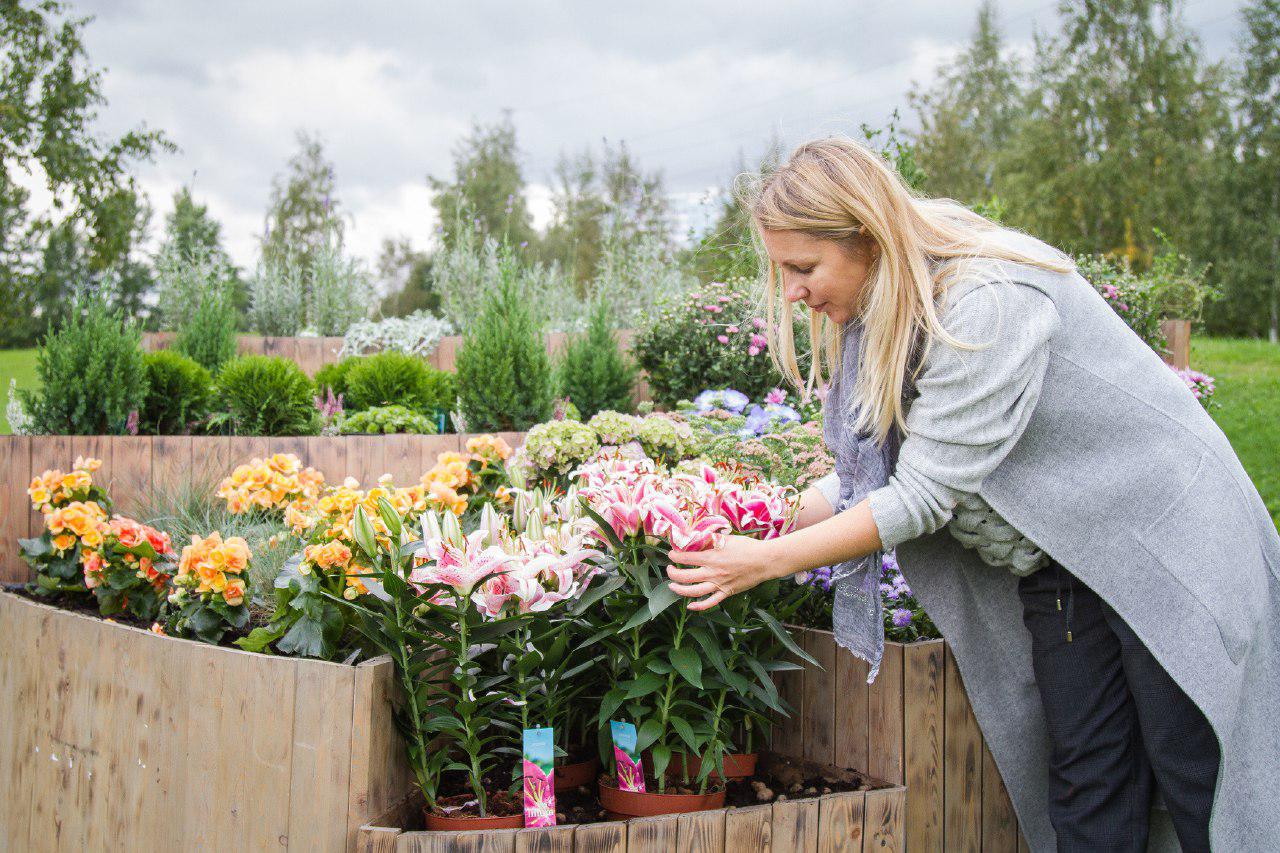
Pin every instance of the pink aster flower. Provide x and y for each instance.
(724, 339)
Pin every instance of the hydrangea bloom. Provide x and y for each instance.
(726, 399)
(768, 418)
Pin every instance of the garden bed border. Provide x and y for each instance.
(118, 738)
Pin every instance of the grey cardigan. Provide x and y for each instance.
(1116, 471)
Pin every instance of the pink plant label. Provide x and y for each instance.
(630, 765)
(539, 778)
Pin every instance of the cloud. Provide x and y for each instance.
(391, 87)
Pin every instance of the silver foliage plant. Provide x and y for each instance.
(183, 280)
(417, 334)
(321, 297)
(16, 413)
(635, 275)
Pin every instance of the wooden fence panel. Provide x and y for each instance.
(923, 684)
(851, 711)
(963, 767)
(402, 455)
(131, 473)
(15, 506)
(548, 839)
(884, 715)
(329, 457)
(701, 832)
(48, 452)
(795, 825)
(840, 819)
(171, 466)
(310, 354)
(884, 828)
(819, 719)
(788, 739)
(999, 823)
(600, 838)
(749, 828)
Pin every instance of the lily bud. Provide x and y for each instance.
(520, 511)
(491, 523)
(431, 526)
(534, 528)
(452, 530)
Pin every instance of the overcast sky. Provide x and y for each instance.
(391, 87)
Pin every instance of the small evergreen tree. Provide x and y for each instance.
(504, 372)
(594, 374)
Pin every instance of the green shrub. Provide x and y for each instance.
(91, 374)
(178, 394)
(504, 373)
(386, 420)
(707, 339)
(266, 395)
(208, 334)
(334, 376)
(396, 378)
(594, 374)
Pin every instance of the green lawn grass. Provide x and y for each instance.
(19, 364)
(1247, 375)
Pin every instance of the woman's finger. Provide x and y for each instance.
(696, 575)
(696, 590)
(689, 558)
(709, 602)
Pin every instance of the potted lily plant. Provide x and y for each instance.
(467, 619)
(683, 708)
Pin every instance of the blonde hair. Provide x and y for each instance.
(837, 189)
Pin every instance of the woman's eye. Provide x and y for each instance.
(804, 271)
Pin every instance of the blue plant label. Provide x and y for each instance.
(630, 765)
(539, 778)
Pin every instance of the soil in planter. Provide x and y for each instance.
(88, 606)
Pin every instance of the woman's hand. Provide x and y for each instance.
(736, 565)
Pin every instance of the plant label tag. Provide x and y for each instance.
(539, 778)
(630, 765)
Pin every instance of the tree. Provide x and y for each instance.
(192, 233)
(51, 95)
(404, 274)
(1244, 233)
(304, 216)
(726, 249)
(487, 190)
(606, 202)
(1116, 132)
(968, 114)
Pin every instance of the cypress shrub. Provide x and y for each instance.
(504, 374)
(208, 335)
(266, 395)
(397, 379)
(179, 391)
(92, 378)
(594, 374)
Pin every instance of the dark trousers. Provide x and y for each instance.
(1119, 726)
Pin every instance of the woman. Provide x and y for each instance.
(1066, 512)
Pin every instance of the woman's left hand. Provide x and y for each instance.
(736, 565)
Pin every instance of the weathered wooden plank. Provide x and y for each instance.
(653, 833)
(923, 686)
(171, 467)
(600, 838)
(851, 711)
(22, 666)
(15, 506)
(884, 829)
(402, 456)
(819, 719)
(131, 473)
(378, 839)
(309, 353)
(701, 832)
(243, 449)
(999, 824)
(318, 795)
(251, 345)
(210, 460)
(489, 841)
(446, 355)
(431, 446)
(749, 828)
(840, 818)
(331, 347)
(1177, 334)
(365, 459)
(788, 734)
(328, 455)
(548, 839)
(962, 774)
(884, 716)
(795, 826)
(380, 774)
(295, 444)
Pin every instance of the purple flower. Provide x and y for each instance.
(725, 398)
(131, 423)
(901, 617)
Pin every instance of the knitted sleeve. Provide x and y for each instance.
(972, 406)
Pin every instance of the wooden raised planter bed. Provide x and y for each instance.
(134, 466)
(852, 822)
(913, 726)
(117, 738)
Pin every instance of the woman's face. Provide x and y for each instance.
(826, 275)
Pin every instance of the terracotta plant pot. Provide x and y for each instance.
(579, 773)
(737, 765)
(629, 804)
(439, 823)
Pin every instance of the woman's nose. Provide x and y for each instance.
(792, 291)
